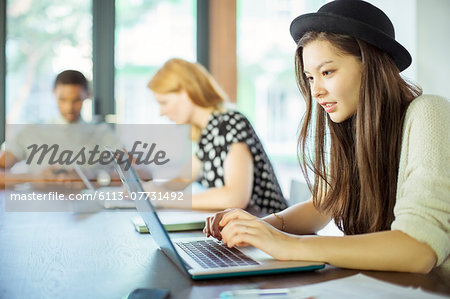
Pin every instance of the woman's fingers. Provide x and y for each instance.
(212, 225)
(242, 231)
(215, 226)
(257, 233)
(235, 214)
(206, 228)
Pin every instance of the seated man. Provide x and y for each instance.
(70, 90)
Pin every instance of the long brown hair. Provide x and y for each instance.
(177, 75)
(355, 163)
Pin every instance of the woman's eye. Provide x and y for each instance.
(326, 73)
(310, 79)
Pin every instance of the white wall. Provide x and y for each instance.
(433, 46)
(403, 14)
(423, 27)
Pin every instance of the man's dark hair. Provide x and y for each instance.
(71, 77)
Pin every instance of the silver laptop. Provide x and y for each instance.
(201, 257)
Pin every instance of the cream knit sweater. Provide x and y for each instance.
(422, 209)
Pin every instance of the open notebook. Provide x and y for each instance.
(175, 220)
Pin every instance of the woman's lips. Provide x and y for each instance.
(329, 106)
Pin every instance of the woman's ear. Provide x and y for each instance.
(184, 95)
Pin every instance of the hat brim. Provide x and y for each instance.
(325, 22)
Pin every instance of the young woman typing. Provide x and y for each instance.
(378, 149)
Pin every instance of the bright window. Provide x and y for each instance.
(267, 88)
(147, 34)
(44, 37)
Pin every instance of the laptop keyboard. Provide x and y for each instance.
(214, 254)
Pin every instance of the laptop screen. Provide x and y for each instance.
(132, 184)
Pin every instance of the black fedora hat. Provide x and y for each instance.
(358, 19)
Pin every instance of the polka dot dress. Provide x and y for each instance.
(223, 130)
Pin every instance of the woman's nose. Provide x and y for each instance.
(317, 89)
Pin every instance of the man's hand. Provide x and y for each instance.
(58, 178)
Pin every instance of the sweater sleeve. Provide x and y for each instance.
(422, 209)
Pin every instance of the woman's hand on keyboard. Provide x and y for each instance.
(242, 229)
(214, 224)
